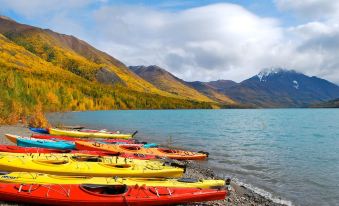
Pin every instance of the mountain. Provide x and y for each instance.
(221, 85)
(63, 73)
(212, 93)
(75, 55)
(277, 87)
(166, 81)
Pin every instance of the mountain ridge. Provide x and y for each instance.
(166, 81)
(283, 88)
(271, 87)
(73, 54)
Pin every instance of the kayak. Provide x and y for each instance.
(75, 133)
(160, 152)
(39, 130)
(104, 195)
(18, 149)
(40, 178)
(108, 141)
(96, 130)
(86, 165)
(49, 143)
(149, 145)
(77, 156)
(32, 142)
(73, 139)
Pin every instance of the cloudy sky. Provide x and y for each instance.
(199, 40)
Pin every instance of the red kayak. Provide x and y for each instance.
(117, 195)
(17, 149)
(73, 139)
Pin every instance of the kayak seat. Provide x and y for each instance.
(169, 151)
(105, 189)
(51, 162)
(118, 165)
(133, 148)
(139, 155)
(188, 180)
(62, 151)
(87, 159)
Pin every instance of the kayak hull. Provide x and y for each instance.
(159, 152)
(32, 142)
(87, 165)
(39, 130)
(73, 139)
(119, 195)
(39, 178)
(73, 133)
(48, 145)
(18, 149)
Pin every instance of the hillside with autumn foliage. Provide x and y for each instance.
(62, 73)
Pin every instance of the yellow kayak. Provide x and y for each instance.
(76, 133)
(78, 155)
(85, 165)
(39, 178)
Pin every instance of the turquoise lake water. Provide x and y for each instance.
(292, 154)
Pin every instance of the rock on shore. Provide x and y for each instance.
(238, 195)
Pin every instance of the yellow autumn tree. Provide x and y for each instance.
(16, 113)
(38, 118)
(53, 100)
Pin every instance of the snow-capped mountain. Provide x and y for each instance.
(278, 87)
(270, 73)
(265, 73)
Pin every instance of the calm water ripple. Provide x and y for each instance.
(290, 153)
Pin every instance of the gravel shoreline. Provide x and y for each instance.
(238, 194)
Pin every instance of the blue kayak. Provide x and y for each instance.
(39, 130)
(150, 145)
(23, 142)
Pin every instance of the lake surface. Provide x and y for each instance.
(292, 154)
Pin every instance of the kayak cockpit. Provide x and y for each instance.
(168, 151)
(131, 148)
(86, 158)
(104, 189)
(51, 162)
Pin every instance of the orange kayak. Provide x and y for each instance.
(159, 152)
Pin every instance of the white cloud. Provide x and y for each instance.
(210, 42)
(317, 49)
(320, 9)
(221, 41)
